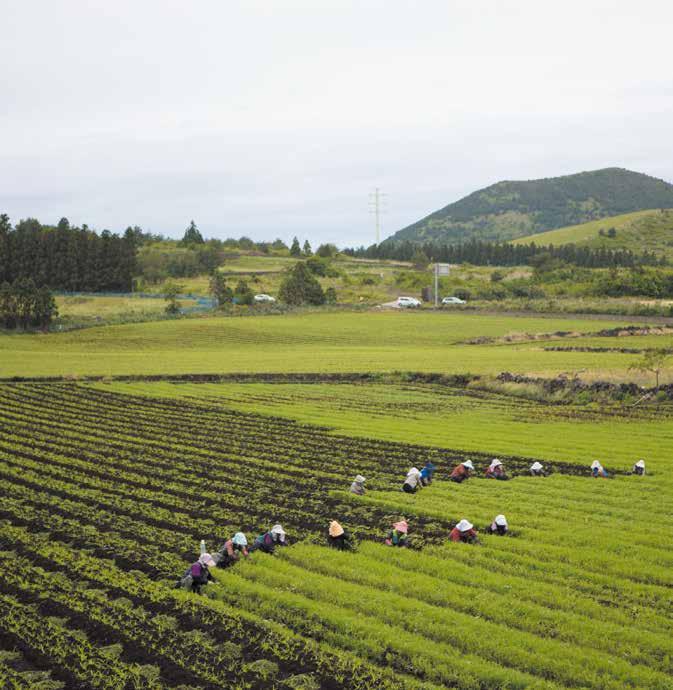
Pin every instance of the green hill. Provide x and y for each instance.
(507, 210)
(650, 230)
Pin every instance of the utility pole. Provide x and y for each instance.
(376, 201)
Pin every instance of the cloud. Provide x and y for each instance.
(278, 118)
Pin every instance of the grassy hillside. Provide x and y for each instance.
(512, 209)
(641, 231)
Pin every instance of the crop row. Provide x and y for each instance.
(224, 621)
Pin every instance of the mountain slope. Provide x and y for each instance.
(511, 209)
(640, 231)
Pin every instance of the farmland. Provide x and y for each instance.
(315, 342)
(109, 484)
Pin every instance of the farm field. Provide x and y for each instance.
(316, 342)
(108, 486)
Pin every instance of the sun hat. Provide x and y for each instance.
(536, 466)
(413, 471)
(495, 462)
(401, 526)
(595, 465)
(500, 520)
(240, 539)
(360, 479)
(640, 463)
(206, 559)
(335, 529)
(464, 525)
(468, 464)
(278, 529)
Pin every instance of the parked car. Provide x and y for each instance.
(264, 298)
(408, 302)
(453, 300)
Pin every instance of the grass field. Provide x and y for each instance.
(314, 342)
(107, 487)
(640, 231)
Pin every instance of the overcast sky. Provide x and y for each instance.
(272, 119)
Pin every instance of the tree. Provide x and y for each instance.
(307, 251)
(171, 293)
(301, 287)
(278, 245)
(317, 266)
(327, 251)
(652, 361)
(330, 295)
(243, 294)
(612, 233)
(219, 289)
(192, 235)
(420, 260)
(295, 249)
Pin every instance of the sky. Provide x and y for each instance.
(278, 118)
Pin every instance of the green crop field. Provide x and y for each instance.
(317, 342)
(107, 487)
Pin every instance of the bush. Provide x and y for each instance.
(463, 293)
(243, 294)
(330, 295)
(301, 287)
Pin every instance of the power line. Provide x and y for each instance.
(377, 200)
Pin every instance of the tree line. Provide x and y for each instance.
(480, 253)
(65, 257)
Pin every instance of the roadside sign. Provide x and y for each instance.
(443, 269)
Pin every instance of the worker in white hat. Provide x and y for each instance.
(597, 470)
(268, 541)
(639, 468)
(537, 470)
(462, 472)
(358, 485)
(464, 532)
(412, 483)
(498, 526)
(496, 470)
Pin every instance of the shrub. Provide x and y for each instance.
(301, 287)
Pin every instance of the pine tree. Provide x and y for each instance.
(295, 249)
(192, 235)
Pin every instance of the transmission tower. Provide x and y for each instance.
(376, 206)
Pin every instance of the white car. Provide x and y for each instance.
(408, 302)
(453, 300)
(264, 298)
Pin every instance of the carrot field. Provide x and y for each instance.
(108, 485)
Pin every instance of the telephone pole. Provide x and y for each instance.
(376, 201)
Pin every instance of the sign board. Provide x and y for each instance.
(443, 269)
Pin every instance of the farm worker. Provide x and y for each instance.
(413, 481)
(499, 525)
(268, 541)
(232, 550)
(597, 470)
(358, 485)
(639, 468)
(200, 573)
(427, 472)
(398, 534)
(462, 472)
(537, 470)
(464, 531)
(495, 470)
(338, 537)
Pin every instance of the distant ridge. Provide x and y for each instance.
(511, 209)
